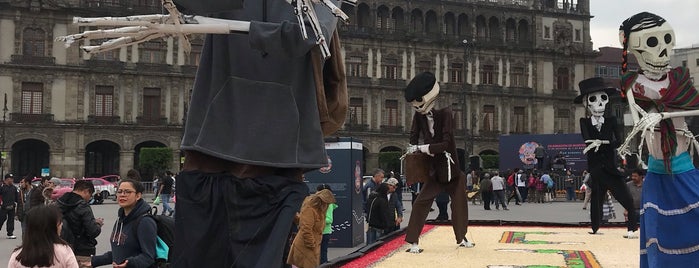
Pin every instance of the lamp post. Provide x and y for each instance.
(468, 137)
(2, 139)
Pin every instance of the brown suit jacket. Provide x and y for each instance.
(442, 141)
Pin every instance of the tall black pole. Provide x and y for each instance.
(2, 140)
(468, 149)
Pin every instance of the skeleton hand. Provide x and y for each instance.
(425, 148)
(594, 144)
(142, 28)
(411, 149)
(646, 126)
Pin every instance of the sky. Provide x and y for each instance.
(683, 16)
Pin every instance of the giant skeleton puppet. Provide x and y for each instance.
(660, 97)
(602, 135)
(435, 127)
(253, 126)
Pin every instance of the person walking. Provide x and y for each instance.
(81, 221)
(635, 186)
(133, 237)
(8, 208)
(305, 250)
(499, 191)
(42, 245)
(588, 189)
(486, 188)
(378, 214)
(395, 205)
(569, 183)
(165, 191)
(25, 190)
(371, 185)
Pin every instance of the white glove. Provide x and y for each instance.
(411, 149)
(425, 148)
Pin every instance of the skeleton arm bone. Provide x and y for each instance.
(594, 144)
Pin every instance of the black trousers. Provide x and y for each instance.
(9, 215)
(487, 197)
(601, 181)
(224, 221)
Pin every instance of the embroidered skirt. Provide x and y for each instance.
(670, 214)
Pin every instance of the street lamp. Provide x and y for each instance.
(2, 139)
(468, 46)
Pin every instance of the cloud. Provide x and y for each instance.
(609, 14)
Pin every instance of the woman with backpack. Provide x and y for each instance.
(44, 223)
(133, 237)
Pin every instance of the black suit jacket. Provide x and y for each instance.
(605, 157)
(442, 141)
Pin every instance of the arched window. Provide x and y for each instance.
(494, 32)
(416, 24)
(523, 32)
(431, 25)
(510, 31)
(449, 24)
(481, 30)
(382, 19)
(363, 17)
(33, 42)
(398, 18)
(464, 27)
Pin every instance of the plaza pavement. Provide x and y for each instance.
(558, 212)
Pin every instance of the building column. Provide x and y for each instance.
(126, 161)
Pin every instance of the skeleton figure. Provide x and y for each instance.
(435, 127)
(602, 134)
(659, 98)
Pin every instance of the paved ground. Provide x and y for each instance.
(564, 212)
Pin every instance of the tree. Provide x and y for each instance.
(154, 160)
(390, 161)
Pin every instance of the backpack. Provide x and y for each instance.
(532, 182)
(549, 182)
(67, 233)
(166, 237)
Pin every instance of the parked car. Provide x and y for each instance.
(65, 187)
(103, 189)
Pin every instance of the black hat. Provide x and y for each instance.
(419, 86)
(9, 175)
(590, 85)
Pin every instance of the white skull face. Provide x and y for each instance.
(596, 102)
(425, 103)
(653, 48)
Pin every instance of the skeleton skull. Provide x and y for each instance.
(596, 102)
(653, 48)
(425, 103)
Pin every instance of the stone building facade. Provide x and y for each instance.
(504, 66)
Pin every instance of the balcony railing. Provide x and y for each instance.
(105, 64)
(32, 60)
(358, 81)
(153, 67)
(31, 118)
(151, 121)
(104, 120)
(391, 129)
(356, 127)
(489, 133)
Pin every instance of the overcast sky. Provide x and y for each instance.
(683, 16)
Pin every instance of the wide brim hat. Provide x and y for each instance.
(591, 85)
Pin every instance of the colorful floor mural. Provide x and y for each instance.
(510, 247)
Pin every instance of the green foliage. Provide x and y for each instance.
(390, 161)
(154, 160)
(490, 161)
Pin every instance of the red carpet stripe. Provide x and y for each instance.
(383, 251)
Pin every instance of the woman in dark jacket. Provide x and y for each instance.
(379, 214)
(133, 240)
